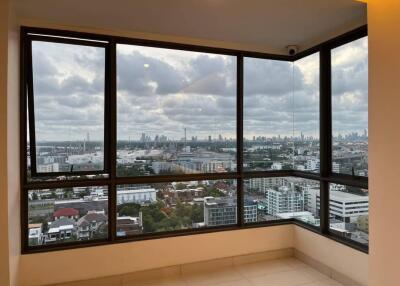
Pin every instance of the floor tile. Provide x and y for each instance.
(220, 276)
(262, 268)
(327, 282)
(294, 263)
(172, 281)
(287, 278)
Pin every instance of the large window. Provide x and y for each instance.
(126, 139)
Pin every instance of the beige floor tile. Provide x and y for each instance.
(215, 277)
(155, 274)
(287, 278)
(106, 281)
(315, 274)
(294, 263)
(326, 282)
(262, 268)
(241, 282)
(171, 281)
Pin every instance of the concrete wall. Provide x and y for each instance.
(384, 155)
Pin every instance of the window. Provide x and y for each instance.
(268, 114)
(176, 112)
(278, 198)
(306, 114)
(281, 114)
(133, 139)
(350, 108)
(68, 96)
(348, 212)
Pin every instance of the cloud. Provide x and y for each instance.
(162, 91)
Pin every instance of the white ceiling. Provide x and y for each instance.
(266, 25)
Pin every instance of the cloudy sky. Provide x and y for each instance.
(163, 91)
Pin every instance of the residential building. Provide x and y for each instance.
(61, 229)
(90, 224)
(219, 211)
(129, 194)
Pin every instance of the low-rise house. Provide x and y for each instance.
(61, 229)
(70, 213)
(127, 225)
(89, 224)
(35, 233)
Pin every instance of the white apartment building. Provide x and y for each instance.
(346, 207)
(313, 165)
(284, 200)
(276, 166)
(48, 168)
(263, 184)
(130, 194)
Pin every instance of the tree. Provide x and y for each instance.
(180, 186)
(129, 209)
(214, 193)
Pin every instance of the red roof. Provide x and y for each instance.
(66, 212)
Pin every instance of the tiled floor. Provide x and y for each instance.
(280, 272)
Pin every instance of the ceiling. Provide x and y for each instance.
(263, 25)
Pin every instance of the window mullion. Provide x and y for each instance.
(325, 134)
(239, 135)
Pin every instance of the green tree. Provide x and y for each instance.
(129, 209)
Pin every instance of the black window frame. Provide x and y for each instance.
(325, 177)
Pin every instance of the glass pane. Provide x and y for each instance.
(350, 108)
(175, 206)
(176, 112)
(68, 83)
(268, 114)
(283, 198)
(67, 215)
(281, 114)
(348, 211)
(306, 114)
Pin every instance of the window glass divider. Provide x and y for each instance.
(239, 141)
(325, 134)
